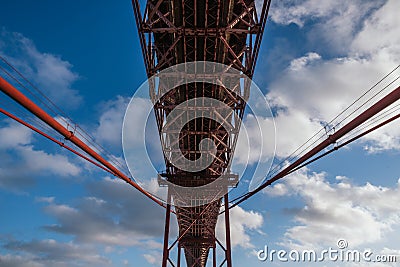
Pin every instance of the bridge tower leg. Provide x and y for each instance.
(166, 233)
(227, 249)
(228, 252)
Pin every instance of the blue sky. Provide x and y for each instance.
(316, 58)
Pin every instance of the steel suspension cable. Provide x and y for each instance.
(62, 144)
(20, 98)
(360, 119)
(238, 200)
(54, 108)
(373, 121)
(293, 155)
(346, 142)
(351, 138)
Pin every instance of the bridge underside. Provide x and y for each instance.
(181, 31)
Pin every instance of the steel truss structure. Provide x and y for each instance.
(174, 32)
(310, 156)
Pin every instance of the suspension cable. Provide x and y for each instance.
(353, 124)
(304, 148)
(62, 144)
(56, 110)
(20, 98)
(346, 143)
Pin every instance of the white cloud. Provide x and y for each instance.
(58, 210)
(39, 161)
(15, 135)
(110, 122)
(277, 190)
(49, 72)
(293, 128)
(141, 127)
(299, 63)
(102, 218)
(313, 90)
(332, 23)
(241, 222)
(142, 148)
(256, 141)
(153, 258)
(53, 253)
(384, 139)
(21, 161)
(385, 49)
(380, 33)
(45, 199)
(363, 215)
(322, 90)
(11, 260)
(292, 11)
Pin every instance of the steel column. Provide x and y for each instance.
(214, 256)
(166, 232)
(228, 253)
(179, 256)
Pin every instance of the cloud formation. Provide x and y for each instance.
(109, 129)
(114, 214)
(49, 72)
(52, 253)
(362, 214)
(243, 222)
(315, 87)
(21, 161)
(331, 23)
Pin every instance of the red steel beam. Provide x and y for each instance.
(360, 119)
(20, 98)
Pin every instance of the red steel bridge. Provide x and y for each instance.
(173, 32)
